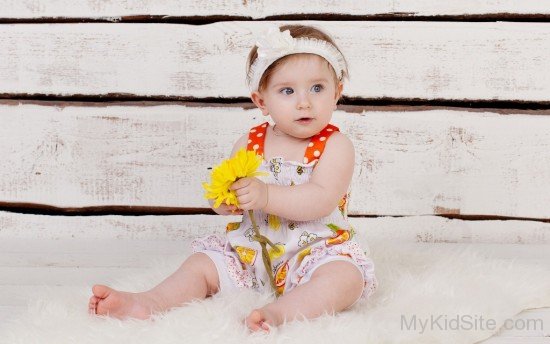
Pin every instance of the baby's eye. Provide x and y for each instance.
(284, 90)
(318, 87)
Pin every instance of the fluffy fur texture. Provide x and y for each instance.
(415, 279)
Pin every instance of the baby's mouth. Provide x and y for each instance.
(304, 119)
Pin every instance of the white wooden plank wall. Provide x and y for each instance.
(416, 59)
(437, 161)
(263, 8)
(450, 120)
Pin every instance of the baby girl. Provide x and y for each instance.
(295, 74)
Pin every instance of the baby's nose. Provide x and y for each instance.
(303, 102)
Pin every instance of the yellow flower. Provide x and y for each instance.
(243, 164)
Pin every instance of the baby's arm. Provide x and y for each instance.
(329, 182)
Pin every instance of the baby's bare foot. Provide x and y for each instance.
(261, 319)
(118, 304)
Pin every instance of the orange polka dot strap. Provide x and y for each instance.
(256, 138)
(318, 142)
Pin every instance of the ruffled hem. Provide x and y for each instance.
(243, 278)
(350, 249)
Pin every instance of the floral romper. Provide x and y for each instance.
(303, 245)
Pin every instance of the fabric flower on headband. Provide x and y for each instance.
(275, 43)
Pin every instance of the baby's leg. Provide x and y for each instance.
(196, 278)
(333, 287)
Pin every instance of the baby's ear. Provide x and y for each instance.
(339, 90)
(338, 94)
(258, 100)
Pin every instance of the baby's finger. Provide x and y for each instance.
(241, 192)
(245, 205)
(244, 199)
(234, 209)
(236, 185)
(239, 184)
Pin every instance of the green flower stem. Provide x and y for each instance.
(262, 240)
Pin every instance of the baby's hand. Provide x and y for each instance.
(251, 193)
(225, 209)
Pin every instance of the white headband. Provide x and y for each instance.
(274, 44)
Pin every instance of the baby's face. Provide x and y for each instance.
(301, 95)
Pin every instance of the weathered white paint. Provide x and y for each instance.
(407, 163)
(152, 235)
(426, 60)
(78, 269)
(51, 275)
(59, 258)
(9, 312)
(261, 9)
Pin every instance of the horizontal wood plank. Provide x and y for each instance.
(46, 275)
(260, 9)
(59, 257)
(407, 162)
(113, 258)
(83, 274)
(150, 235)
(9, 312)
(406, 60)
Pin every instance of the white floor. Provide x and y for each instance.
(27, 265)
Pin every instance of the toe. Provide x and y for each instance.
(101, 291)
(92, 305)
(92, 311)
(265, 326)
(253, 327)
(255, 321)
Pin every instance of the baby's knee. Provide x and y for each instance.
(346, 274)
(355, 282)
(202, 265)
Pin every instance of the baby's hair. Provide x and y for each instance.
(296, 31)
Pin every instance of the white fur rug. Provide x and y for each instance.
(419, 280)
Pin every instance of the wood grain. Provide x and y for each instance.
(407, 163)
(401, 60)
(152, 235)
(261, 9)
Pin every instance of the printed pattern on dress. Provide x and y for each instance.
(301, 244)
